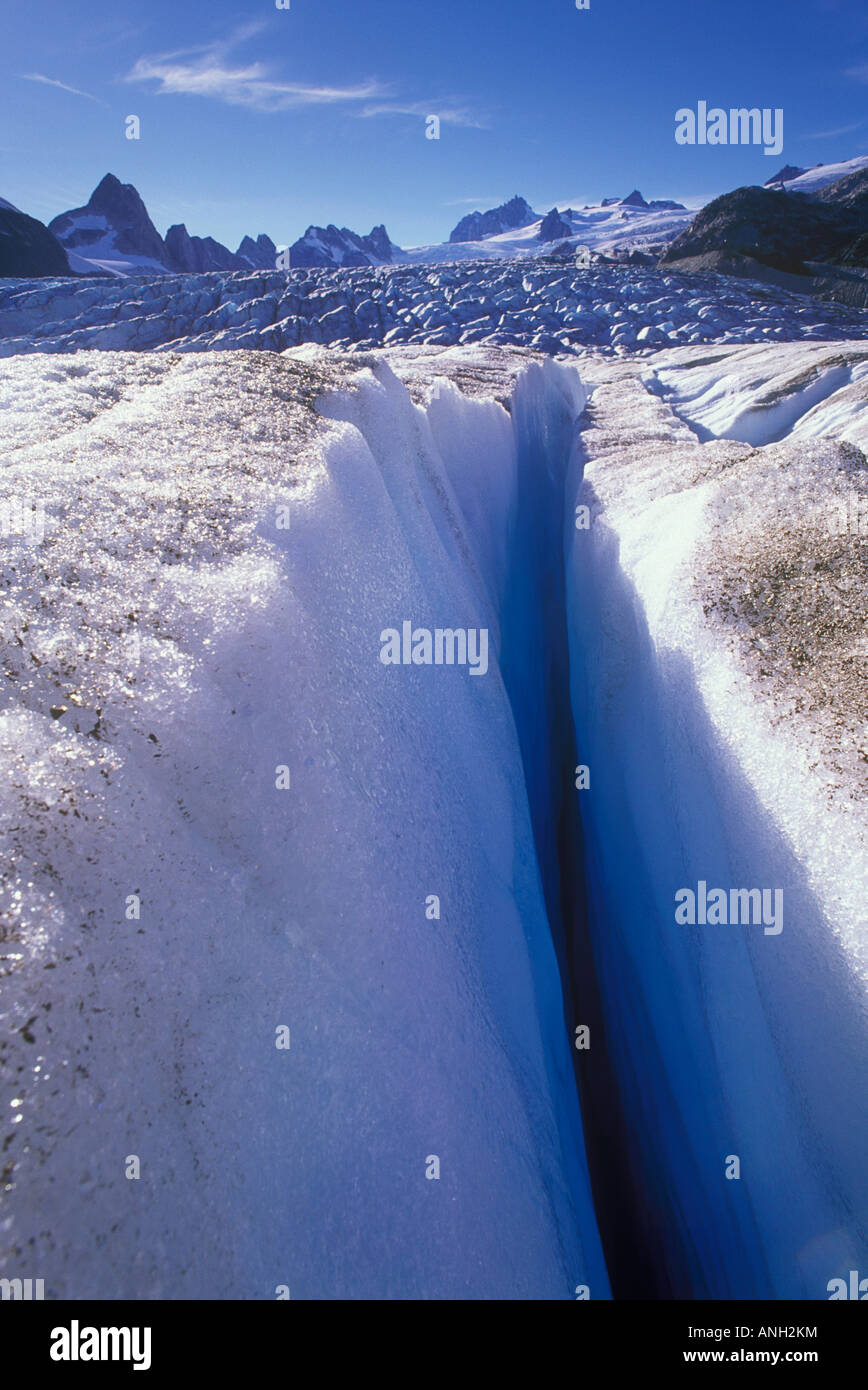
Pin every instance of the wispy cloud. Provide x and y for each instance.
(448, 112)
(250, 86)
(206, 71)
(52, 82)
(831, 134)
(484, 201)
(860, 73)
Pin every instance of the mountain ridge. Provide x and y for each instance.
(112, 233)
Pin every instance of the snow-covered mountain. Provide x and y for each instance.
(796, 180)
(554, 227)
(111, 232)
(114, 234)
(478, 225)
(615, 227)
(784, 176)
(333, 246)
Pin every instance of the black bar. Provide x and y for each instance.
(205, 1338)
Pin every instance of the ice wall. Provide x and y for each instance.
(725, 1041)
(158, 771)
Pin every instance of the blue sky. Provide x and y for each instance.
(256, 119)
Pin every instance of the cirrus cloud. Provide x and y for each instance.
(208, 70)
(448, 112)
(250, 85)
(53, 82)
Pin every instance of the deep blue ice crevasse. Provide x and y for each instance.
(722, 1040)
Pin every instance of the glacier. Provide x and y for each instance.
(195, 648)
(724, 741)
(222, 816)
(547, 304)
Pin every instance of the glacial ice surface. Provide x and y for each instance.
(717, 615)
(168, 648)
(549, 305)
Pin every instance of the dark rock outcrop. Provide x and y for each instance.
(554, 227)
(27, 247)
(850, 192)
(476, 225)
(780, 230)
(378, 244)
(785, 175)
(185, 252)
(260, 254)
(856, 253)
(331, 246)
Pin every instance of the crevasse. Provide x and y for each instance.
(722, 1041)
(265, 905)
(693, 1057)
(705, 1045)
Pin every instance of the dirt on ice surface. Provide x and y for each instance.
(753, 554)
(222, 818)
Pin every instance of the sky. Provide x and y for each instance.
(258, 119)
